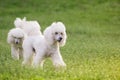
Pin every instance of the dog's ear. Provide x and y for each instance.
(48, 35)
(10, 38)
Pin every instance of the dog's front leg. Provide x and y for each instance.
(14, 53)
(20, 53)
(57, 60)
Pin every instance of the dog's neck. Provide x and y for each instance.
(54, 44)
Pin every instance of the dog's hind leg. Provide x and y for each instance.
(27, 55)
(38, 60)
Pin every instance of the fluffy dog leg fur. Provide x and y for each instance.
(14, 53)
(38, 59)
(57, 60)
(27, 53)
(20, 53)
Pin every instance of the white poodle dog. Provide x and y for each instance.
(45, 46)
(15, 39)
(31, 28)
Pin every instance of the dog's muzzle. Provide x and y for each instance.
(60, 39)
(16, 42)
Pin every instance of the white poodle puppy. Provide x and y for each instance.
(15, 39)
(45, 46)
(31, 28)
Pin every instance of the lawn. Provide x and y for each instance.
(92, 51)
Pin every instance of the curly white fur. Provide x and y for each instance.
(31, 28)
(15, 39)
(45, 46)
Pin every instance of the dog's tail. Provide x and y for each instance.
(18, 22)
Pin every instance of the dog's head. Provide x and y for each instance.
(56, 33)
(16, 36)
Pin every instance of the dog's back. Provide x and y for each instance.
(30, 27)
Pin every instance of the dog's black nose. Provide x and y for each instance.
(16, 42)
(60, 39)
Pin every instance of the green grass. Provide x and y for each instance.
(92, 51)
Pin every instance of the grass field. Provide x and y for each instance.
(92, 51)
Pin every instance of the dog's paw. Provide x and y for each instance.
(60, 65)
(23, 63)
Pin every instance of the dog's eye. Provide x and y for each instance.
(56, 33)
(61, 33)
